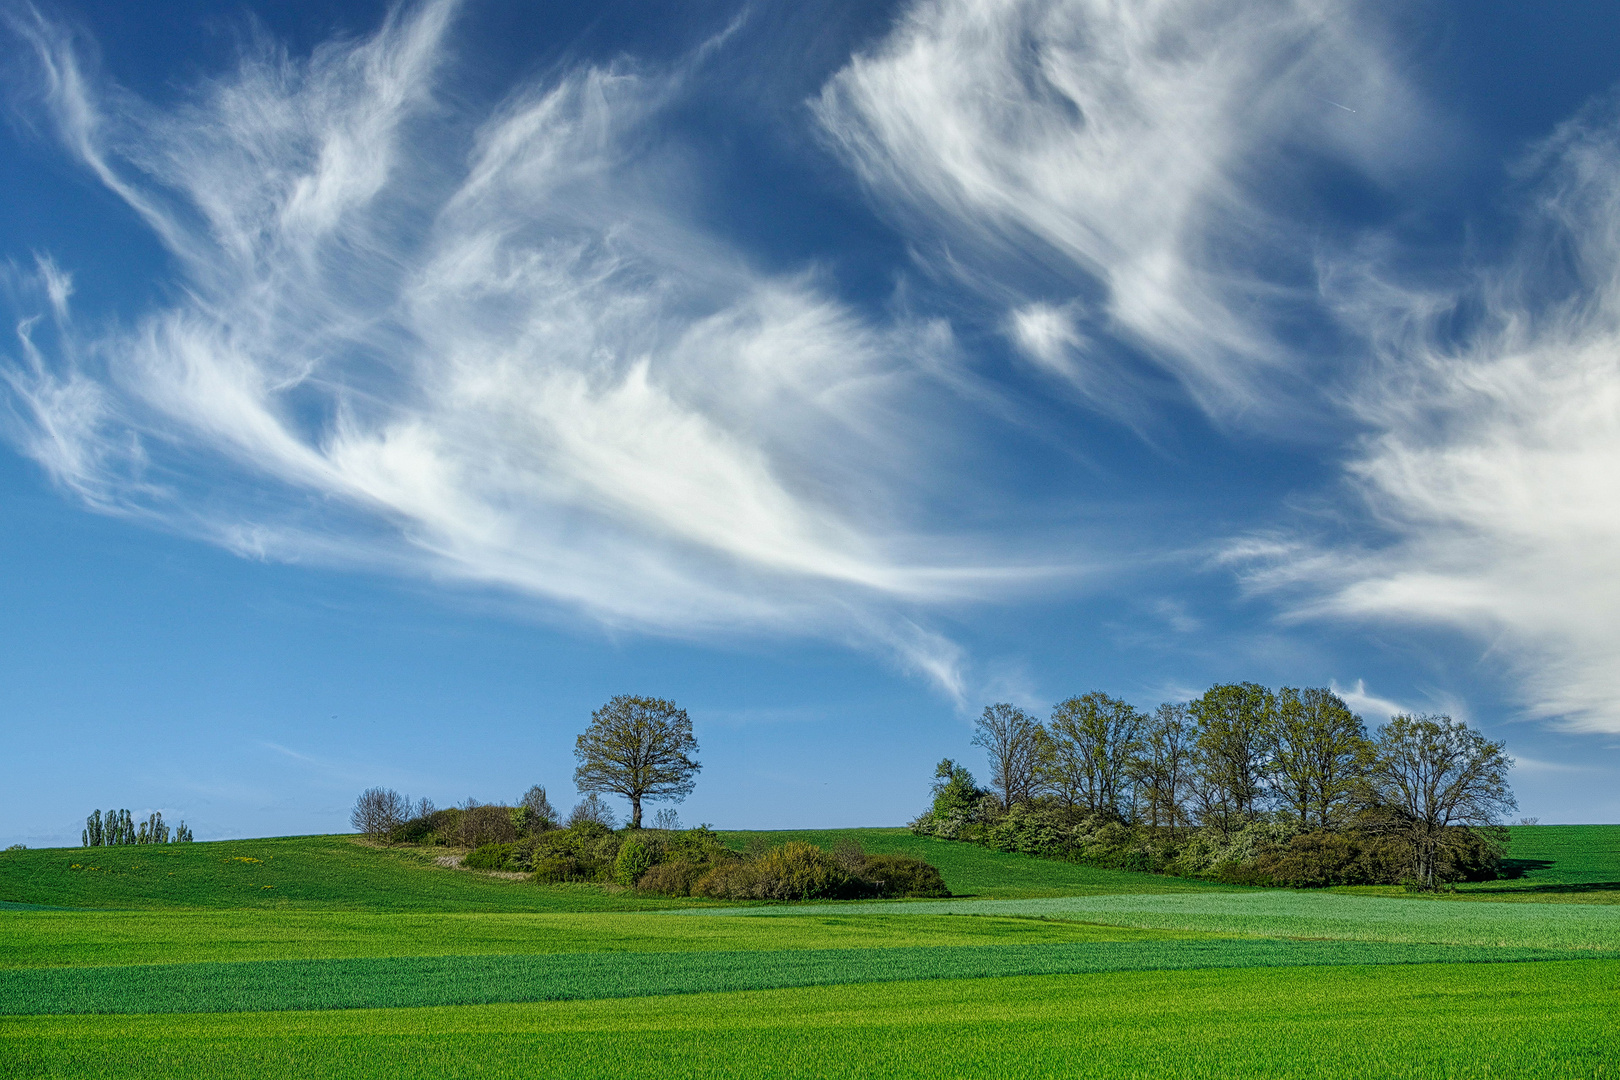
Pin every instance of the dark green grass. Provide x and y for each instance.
(337, 873)
(1547, 1020)
(411, 982)
(1559, 861)
(971, 870)
(92, 938)
(327, 872)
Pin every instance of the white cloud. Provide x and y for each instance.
(521, 367)
(1490, 474)
(1129, 149)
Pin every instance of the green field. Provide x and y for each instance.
(321, 956)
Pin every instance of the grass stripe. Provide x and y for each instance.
(403, 982)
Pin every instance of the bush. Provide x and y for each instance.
(672, 878)
(902, 875)
(491, 857)
(635, 858)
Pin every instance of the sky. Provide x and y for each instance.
(385, 387)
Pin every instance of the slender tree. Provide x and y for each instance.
(1234, 739)
(1094, 740)
(1016, 744)
(1319, 754)
(538, 812)
(1435, 778)
(1163, 765)
(638, 747)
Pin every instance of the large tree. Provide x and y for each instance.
(1094, 739)
(638, 747)
(1234, 741)
(1164, 764)
(1435, 779)
(1016, 744)
(1319, 753)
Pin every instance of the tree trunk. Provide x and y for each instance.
(635, 811)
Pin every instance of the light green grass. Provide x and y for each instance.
(411, 982)
(1285, 913)
(88, 938)
(1546, 1020)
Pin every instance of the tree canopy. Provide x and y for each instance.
(639, 747)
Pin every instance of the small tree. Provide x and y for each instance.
(954, 791)
(638, 747)
(378, 811)
(1016, 744)
(667, 819)
(592, 808)
(1436, 778)
(537, 811)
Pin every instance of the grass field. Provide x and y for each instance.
(1552, 1020)
(357, 961)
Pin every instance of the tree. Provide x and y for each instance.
(954, 790)
(1234, 738)
(1319, 752)
(1163, 765)
(592, 808)
(1436, 779)
(1016, 743)
(537, 810)
(378, 811)
(638, 747)
(1094, 739)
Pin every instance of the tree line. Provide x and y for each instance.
(117, 827)
(1242, 780)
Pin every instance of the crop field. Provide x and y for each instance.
(178, 962)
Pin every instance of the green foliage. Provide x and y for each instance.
(491, 857)
(638, 747)
(634, 859)
(902, 875)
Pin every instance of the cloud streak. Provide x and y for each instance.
(497, 352)
(1117, 173)
(1488, 478)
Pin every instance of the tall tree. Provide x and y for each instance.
(1436, 777)
(1016, 744)
(640, 748)
(1234, 738)
(1163, 765)
(1094, 739)
(378, 811)
(1319, 752)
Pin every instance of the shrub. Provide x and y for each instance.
(634, 859)
(490, 857)
(672, 878)
(902, 875)
(482, 823)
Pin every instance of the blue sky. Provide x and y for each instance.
(384, 388)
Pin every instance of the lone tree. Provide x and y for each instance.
(1438, 778)
(640, 748)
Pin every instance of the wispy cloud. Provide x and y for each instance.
(1119, 171)
(1489, 478)
(495, 351)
